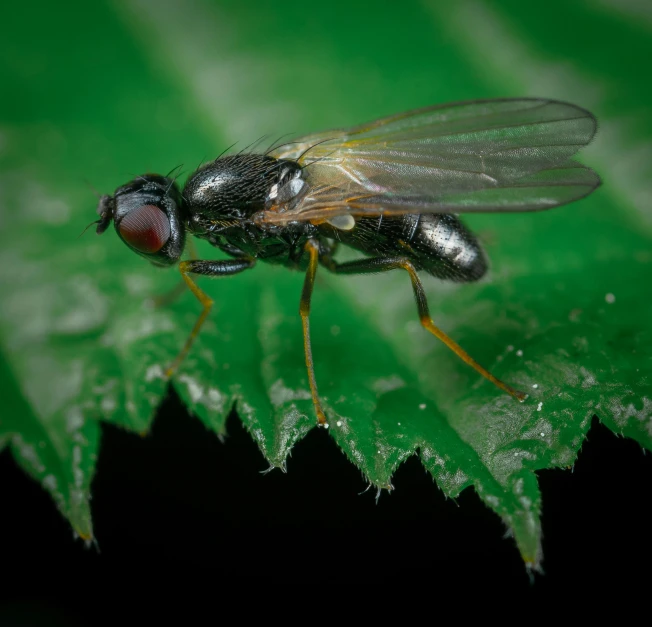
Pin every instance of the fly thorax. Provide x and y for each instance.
(227, 192)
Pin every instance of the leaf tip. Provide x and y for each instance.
(87, 537)
(533, 567)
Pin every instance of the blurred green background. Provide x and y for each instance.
(103, 91)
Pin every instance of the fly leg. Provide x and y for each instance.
(312, 247)
(180, 288)
(171, 295)
(380, 264)
(225, 267)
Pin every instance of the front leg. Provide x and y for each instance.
(207, 268)
(171, 295)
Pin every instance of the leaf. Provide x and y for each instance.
(564, 312)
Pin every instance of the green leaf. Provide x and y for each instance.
(563, 314)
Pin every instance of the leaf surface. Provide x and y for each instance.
(564, 313)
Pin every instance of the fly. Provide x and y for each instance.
(390, 189)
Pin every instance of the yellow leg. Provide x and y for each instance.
(385, 264)
(170, 296)
(429, 325)
(304, 309)
(206, 268)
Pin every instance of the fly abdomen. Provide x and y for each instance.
(437, 243)
(444, 247)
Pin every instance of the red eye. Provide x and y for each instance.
(146, 228)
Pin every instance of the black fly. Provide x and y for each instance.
(390, 189)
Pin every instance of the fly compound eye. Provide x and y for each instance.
(145, 228)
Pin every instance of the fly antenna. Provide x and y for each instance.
(88, 227)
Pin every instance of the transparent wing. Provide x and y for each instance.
(493, 155)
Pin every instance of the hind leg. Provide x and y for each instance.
(384, 264)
